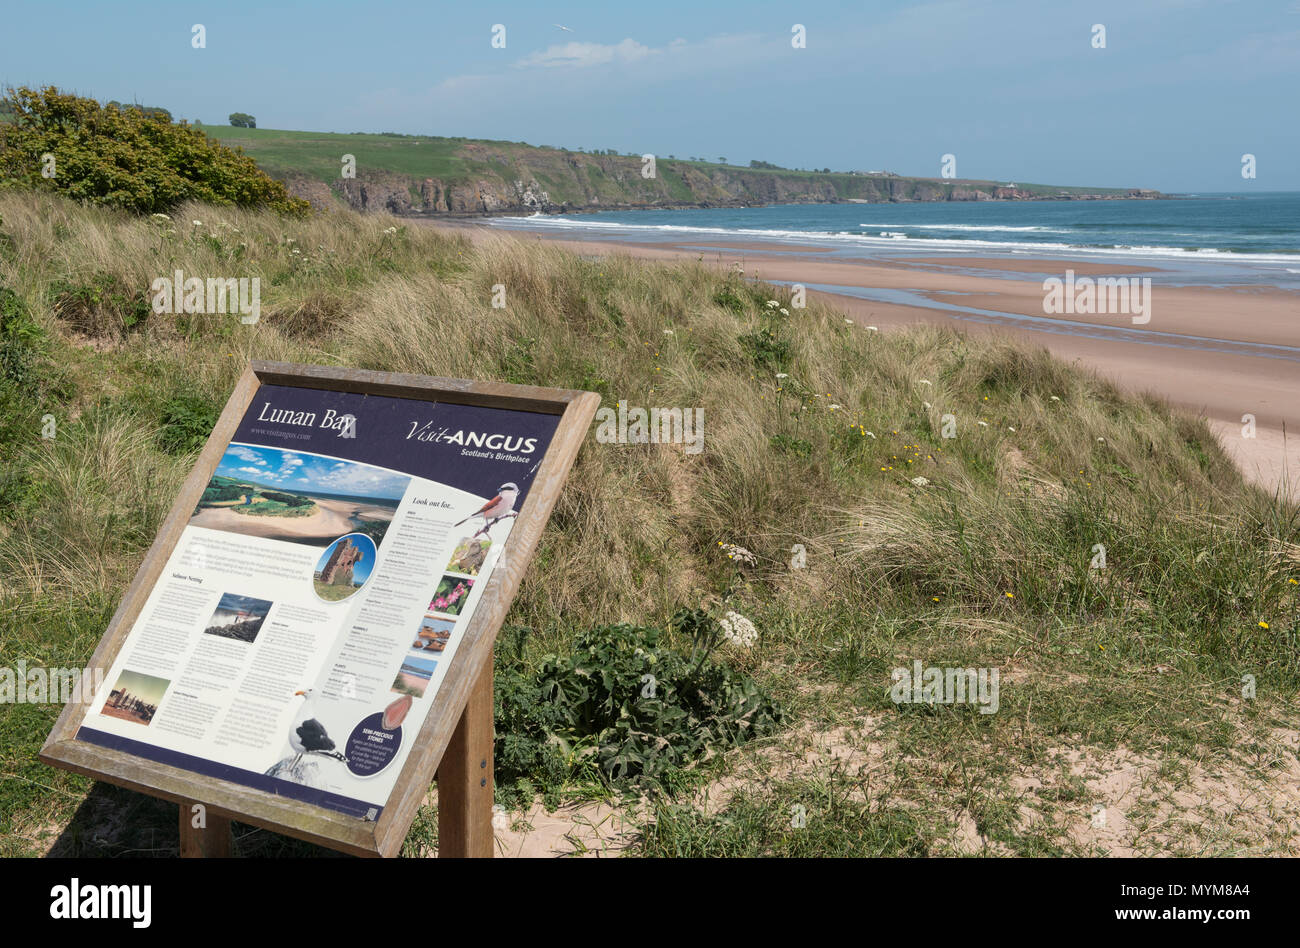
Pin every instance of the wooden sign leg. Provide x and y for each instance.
(212, 841)
(465, 778)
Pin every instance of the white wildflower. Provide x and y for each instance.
(923, 382)
(390, 230)
(783, 375)
(982, 424)
(1055, 399)
(739, 554)
(833, 406)
(1101, 439)
(849, 321)
(870, 434)
(927, 405)
(738, 630)
(160, 217)
(873, 329)
(773, 304)
(784, 311)
(197, 223)
(920, 481)
(669, 332)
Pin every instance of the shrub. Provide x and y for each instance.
(127, 158)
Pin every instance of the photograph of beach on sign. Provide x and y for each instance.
(414, 675)
(299, 497)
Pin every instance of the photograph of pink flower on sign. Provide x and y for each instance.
(451, 595)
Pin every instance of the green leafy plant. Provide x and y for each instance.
(766, 348)
(103, 306)
(796, 446)
(20, 339)
(626, 709)
(186, 423)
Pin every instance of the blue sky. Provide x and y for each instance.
(1013, 88)
(294, 470)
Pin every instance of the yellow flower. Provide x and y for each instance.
(1011, 595)
(934, 598)
(1263, 625)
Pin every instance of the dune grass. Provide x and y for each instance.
(814, 431)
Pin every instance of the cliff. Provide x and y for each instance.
(423, 175)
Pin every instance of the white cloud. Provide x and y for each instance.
(245, 454)
(588, 54)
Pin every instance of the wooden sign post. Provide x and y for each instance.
(250, 665)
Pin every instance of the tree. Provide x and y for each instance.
(125, 158)
(242, 120)
(150, 111)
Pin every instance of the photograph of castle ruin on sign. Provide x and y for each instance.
(135, 697)
(296, 496)
(344, 567)
(238, 617)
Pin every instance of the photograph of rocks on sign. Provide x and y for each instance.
(238, 617)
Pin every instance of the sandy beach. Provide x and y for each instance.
(1220, 352)
(333, 519)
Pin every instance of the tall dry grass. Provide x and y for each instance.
(636, 533)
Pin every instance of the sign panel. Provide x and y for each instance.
(314, 587)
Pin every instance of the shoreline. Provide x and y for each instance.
(1214, 351)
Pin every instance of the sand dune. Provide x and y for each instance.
(1219, 351)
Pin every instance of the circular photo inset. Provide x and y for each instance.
(344, 567)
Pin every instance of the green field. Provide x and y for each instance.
(320, 154)
(609, 179)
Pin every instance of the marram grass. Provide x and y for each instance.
(816, 432)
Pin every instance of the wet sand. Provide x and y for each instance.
(1215, 351)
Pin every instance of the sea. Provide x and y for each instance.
(1198, 239)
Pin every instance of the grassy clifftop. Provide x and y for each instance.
(978, 550)
(413, 173)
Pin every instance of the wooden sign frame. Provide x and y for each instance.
(455, 740)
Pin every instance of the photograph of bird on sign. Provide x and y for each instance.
(309, 743)
(500, 507)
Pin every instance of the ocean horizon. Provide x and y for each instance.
(1259, 233)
